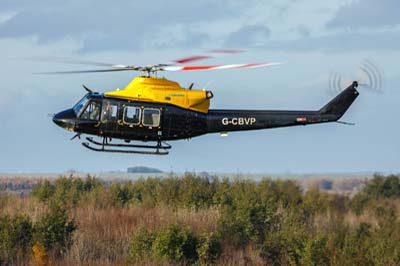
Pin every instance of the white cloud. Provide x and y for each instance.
(366, 14)
(6, 16)
(247, 36)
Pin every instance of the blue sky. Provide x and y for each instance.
(313, 37)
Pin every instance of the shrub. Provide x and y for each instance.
(196, 192)
(43, 191)
(381, 186)
(223, 192)
(285, 241)
(249, 217)
(359, 203)
(209, 249)
(175, 243)
(141, 244)
(15, 237)
(315, 202)
(66, 190)
(54, 230)
(315, 252)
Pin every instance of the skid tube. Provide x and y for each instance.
(158, 149)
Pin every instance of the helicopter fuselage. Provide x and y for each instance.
(115, 118)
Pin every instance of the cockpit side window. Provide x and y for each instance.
(110, 111)
(92, 111)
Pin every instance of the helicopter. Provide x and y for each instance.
(153, 110)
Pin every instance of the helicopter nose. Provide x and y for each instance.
(65, 119)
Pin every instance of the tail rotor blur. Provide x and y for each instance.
(369, 76)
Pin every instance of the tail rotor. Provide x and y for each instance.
(369, 76)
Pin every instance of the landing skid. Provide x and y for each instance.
(158, 149)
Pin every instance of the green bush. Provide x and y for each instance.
(223, 192)
(54, 230)
(359, 203)
(284, 243)
(141, 245)
(315, 252)
(250, 216)
(209, 248)
(122, 193)
(44, 190)
(381, 186)
(175, 243)
(65, 190)
(196, 192)
(15, 238)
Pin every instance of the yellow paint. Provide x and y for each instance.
(161, 90)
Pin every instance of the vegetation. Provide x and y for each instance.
(194, 220)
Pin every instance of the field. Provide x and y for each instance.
(199, 220)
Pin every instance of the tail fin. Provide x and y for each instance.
(339, 105)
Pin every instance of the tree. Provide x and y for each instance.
(381, 186)
(44, 190)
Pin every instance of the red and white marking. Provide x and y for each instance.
(212, 54)
(212, 67)
(301, 119)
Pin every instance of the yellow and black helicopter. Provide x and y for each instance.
(152, 109)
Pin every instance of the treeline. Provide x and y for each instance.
(194, 220)
(18, 184)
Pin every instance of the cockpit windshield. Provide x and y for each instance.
(78, 107)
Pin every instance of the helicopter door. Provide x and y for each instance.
(89, 119)
(109, 117)
(152, 121)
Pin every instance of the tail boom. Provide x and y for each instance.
(238, 120)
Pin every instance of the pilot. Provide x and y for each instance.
(94, 115)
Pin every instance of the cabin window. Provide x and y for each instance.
(132, 115)
(110, 112)
(92, 111)
(151, 117)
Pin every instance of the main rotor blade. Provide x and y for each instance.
(212, 67)
(212, 54)
(74, 61)
(192, 59)
(89, 71)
